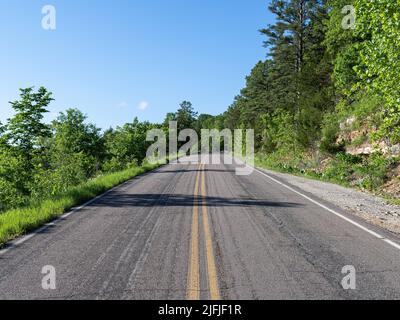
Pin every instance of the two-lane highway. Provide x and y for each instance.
(199, 231)
(211, 288)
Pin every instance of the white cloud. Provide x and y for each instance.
(143, 105)
(123, 104)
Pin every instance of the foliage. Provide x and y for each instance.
(25, 129)
(373, 171)
(126, 146)
(39, 160)
(47, 169)
(342, 168)
(378, 23)
(330, 131)
(12, 180)
(317, 75)
(19, 221)
(185, 116)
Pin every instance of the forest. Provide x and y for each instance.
(325, 102)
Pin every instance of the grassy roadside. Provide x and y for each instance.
(16, 222)
(283, 168)
(367, 177)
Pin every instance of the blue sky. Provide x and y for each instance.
(115, 60)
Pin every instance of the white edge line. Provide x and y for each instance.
(20, 241)
(14, 243)
(373, 233)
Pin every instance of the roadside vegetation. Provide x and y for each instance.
(48, 168)
(18, 221)
(325, 102)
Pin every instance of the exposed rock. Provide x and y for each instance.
(366, 149)
(392, 187)
(348, 136)
(348, 123)
(395, 150)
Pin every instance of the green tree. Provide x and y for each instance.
(186, 116)
(3, 138)
(73, 135)
(12, 180)
(378, 24)
(26, 128)
(126, 146)
(205, 121)
(23, 135)
(72, 155)
(341, 47)
(294, 40)
(171, 116)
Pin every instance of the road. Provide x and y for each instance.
(202, 232)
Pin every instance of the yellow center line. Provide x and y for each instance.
(210, 263)
(193, 286)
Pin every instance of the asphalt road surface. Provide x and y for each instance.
(202, 232)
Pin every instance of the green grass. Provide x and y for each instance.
(391, 199)
(16, 222)
(349, 171)
(282, 167)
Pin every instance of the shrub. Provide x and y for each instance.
(342, 168)
(16, 222)
(12, 180)
(373, 171)
(330, 131)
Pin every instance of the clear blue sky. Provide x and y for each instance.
(109, 58)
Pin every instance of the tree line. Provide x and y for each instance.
(316, 75)
(318, 72)
(39, 160)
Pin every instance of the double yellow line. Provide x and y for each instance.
(193, 286)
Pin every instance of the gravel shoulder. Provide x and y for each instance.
(371, 208)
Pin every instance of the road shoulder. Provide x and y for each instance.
(364, 205)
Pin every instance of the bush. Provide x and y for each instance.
(342, 168)
(19, 221)
(69, 171)
(367, 173)
(373, 171)
(330, 131)
(115, 164)
(12, 178)
(280, 132)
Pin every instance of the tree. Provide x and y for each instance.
(171, 116)
(341, 48)
(22, 137)
(12, 180)
(205, 121)
(378, 24)
(126, 146)
(3, 138)
(186, 116)
(73, 136)
(26, 128)
(293, 41)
